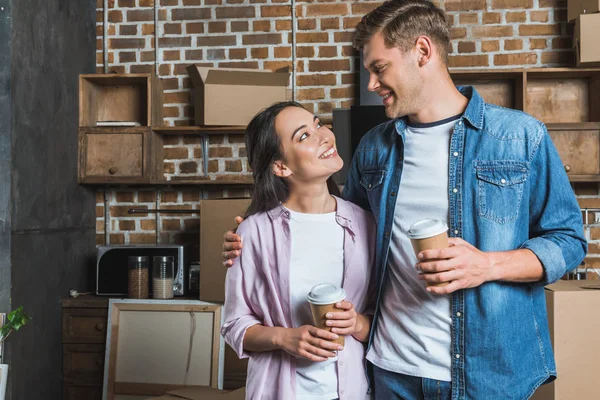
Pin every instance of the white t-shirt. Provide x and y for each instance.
(317, 256)
(413, 335)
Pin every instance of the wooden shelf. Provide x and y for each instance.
(199, 130)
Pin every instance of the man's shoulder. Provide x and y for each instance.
(378, 134)
(506, 124)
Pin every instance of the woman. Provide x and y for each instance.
(297, 234)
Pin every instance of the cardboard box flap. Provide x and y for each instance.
(573, 286)
(236, 76)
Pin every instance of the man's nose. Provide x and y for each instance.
(373, 82)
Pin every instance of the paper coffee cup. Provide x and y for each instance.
(322, 299)
(428, 234)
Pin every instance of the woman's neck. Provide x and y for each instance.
(311, 199)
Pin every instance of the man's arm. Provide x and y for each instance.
(353, 191)
(556, 245)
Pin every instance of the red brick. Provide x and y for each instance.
(146, 3)
(468, 19)
(239, 26)
(127, 225)
(539, 30)
(351, 22)
(148, 224)
(276, 65)
(537, 44)
(125, 197)
(514, 44)
(117, 238)
(128, 30)
(458, 33)
(283, 52)
(350, 78)
(261, 26)
(127, 56)
(311, 94)
(538, 16)
(233, 166)
(491, 18)
(468, 61)
(239, 64)
(175, 153)
(194, 54)
(515, 59)
(268, 38)
(140, 15)
(363, 8)
(275, 11)
(504, 4)
(148, 29)
(327, 51)
(259, 52)
(126, 43)
(189, 13)
(464, 5)
(518, 16)
(100, 240)
(326, 9)
(220, 152)
(172, 29)
(343, 93)
(329, 65)
(343, 37)
(170, 112)
(313, 37)
(307, 24)
(283, 25)
(180, 41)
(235, 12)
(142, 238)
(316, 80)
(190, 197)
(492, 31)
(164, 69)
(99, 212)
(176, 97)
(466, 47)
(146, 196)
(213, 166)
(305, 51)
(188, 167)
(141, 69)
(122, 211)
(330, 23)
(115, 16)
(217, 27)
(196, 27)
(214, 41)
(169, 55)
(237, 54)
(123, 3)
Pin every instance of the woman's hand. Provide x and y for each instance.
(348, 321)
(308, 342)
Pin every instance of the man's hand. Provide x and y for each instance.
(461, 264)
(232, 244)
(308, 342)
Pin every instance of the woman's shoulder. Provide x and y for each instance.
(353, 211)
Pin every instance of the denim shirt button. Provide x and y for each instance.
(459, 123)
(502, 180)
(458, 356)
(456, 231)
(458, 314)
(455, 190)
(455, 154)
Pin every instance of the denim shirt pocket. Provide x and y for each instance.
(371, 181)
(500, 186)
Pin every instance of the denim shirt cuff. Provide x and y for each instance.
(551, 257)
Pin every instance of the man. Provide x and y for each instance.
(494, 175)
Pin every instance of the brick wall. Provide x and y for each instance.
(259, 34)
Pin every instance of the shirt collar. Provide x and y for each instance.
(342, 214)
(473, 113)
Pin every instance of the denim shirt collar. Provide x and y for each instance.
(473, 113)
(342, 214)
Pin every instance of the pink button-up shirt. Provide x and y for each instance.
(257, 292)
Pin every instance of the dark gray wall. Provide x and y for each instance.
(5, 159)
(53, 218)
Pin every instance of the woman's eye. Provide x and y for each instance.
(304, 136)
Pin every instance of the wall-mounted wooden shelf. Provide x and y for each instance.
(567, 100)
(199, 130)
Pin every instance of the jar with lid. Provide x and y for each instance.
(137, 284)
(162, 277)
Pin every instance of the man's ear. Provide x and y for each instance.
(281, 170)
(424, 49)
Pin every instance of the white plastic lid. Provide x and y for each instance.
(326, 293)
(427, 228)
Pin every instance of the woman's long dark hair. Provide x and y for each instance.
(264, 148)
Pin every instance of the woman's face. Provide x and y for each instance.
(309, 151)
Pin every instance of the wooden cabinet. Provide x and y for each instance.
(128, 151)
(567, 100)
(84, 322)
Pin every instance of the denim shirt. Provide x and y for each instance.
(507, 190)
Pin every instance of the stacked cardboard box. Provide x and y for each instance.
(586, 15)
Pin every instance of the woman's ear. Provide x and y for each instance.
(281, 170)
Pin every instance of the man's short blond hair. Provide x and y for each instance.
(402, 22)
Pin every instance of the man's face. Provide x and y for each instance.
(394, 75)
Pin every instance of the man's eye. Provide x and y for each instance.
(303, 136)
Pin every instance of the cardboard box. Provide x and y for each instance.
(586, 35)
(573, 319)
(231, 97)
(201, 393)
(578, 7)
(216, 218)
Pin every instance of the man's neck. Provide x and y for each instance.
(443, 101)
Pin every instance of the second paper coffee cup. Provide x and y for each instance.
(322, 299)
(429, 234)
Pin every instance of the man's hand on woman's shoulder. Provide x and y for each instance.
(232, 245)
